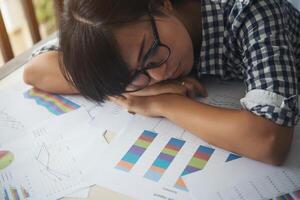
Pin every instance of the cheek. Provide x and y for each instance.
(183, 53)
(187, 50)
(180, 43)
(189, 62)
(128, 52)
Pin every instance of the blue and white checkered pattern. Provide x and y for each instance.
(257, 41)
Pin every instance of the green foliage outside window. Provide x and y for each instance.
(45, 14)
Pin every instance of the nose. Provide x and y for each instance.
(159, 73)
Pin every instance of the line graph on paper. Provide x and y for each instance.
(8, 121)
(48, 168)
(55, 165)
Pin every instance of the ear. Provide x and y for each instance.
(167, 5)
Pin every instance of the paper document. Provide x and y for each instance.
(154, 154)
(53, 157)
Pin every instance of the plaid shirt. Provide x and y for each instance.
(257, 41)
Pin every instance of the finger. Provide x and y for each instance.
(126, 95)
(112, 99)
(150, 90)
(190, 90)
(118, 100)
(127, 103)
(202, 90)
(199, 88)
(159, 88)
(121, 97)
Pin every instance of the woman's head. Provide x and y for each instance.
(106, 45)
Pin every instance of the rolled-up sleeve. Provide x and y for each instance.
(282, 110)
(269, 60)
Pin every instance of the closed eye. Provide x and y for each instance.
(141, 51)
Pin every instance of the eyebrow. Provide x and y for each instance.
(141, 49)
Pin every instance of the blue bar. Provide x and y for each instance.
(130, 157)
(176, 142)
(149, 133)
(152, 175)
(161, 163)
(206, 150)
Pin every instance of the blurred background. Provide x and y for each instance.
(16, 22)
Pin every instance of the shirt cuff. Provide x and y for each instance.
(281, 110)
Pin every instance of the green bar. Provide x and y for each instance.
(170, 152)
(197, 163)
(142, 143)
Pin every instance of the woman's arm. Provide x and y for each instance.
(239, 131)
(43, 72)
(234, 130)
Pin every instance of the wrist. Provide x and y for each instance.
(162, 104)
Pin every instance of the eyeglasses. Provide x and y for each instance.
(157, 55)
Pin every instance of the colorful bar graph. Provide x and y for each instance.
(6, 158)
(25, 192)
(6, 196)
(289, 196)
(197, 163)
(56, 104)
(164, 159)
(14, 193)
(232, 157)
(285, 197)
(136, 151)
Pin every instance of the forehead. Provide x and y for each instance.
(131, 31)
(129, 38)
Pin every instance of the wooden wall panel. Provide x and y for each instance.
(31, 20)
(5, 45)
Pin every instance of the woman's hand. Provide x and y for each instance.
(186, 86)
(143, 105)
(147, 101)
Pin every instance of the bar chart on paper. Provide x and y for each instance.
(165, 158)
(197, 163)
(12, 187)
(155, 153)
(14, 193)
(56, 104)
(289, 196)
(136, 151)
(6, 158)
(232, 157)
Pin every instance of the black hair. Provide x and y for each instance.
(90, 58)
